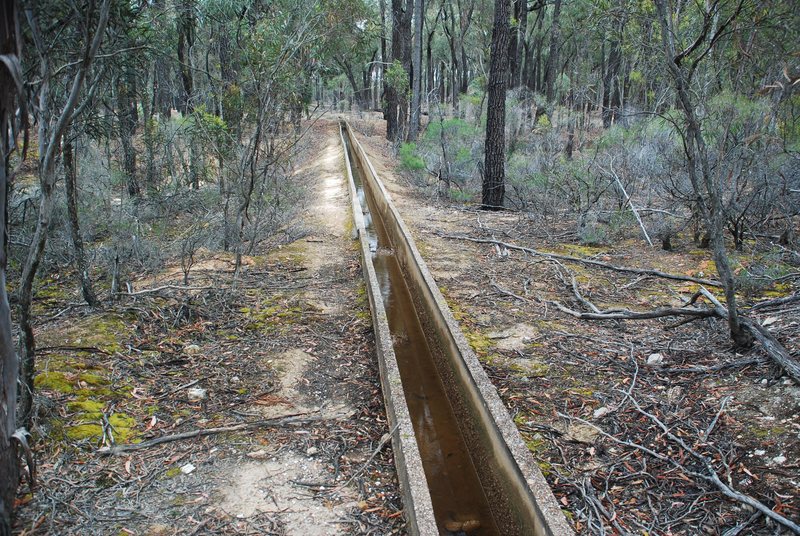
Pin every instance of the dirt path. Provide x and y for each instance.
(292, 337)
(271, 485)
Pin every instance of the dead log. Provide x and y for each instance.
(626, 314)
(626, 269)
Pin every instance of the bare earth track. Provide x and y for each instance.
(292, 338)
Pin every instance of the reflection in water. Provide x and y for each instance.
(459, 503)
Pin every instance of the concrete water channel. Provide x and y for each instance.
(462, 465)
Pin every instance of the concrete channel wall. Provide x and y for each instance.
(417, 506)
(521, 500)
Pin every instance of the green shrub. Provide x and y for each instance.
(409, 158)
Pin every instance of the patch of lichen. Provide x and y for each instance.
(48, 292)
(293, 254)
(54, 381)
(86, 388)
(578, 250)
(532, 369)
(480, 343)
(274, 314)
(362, 302)
(106, 331)
(580, 391)
(778, 290)
(764, 433)
(89, 427)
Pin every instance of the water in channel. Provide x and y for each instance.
(459, 502)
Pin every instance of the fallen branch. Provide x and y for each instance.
(501, 290)
(279, 421)
(715, 368)
(163, 287)
(626, 314)
(385, 439)
(640, 271)
(711, 475)
(771, 345)
(776, 302)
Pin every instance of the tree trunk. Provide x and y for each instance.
(9, 368)
(186, 33)
(611, 78)
(429, 86)
(494, 168)
(416, 76)
(384, 64)
(126, 114)
(518, 50)
(51, 131)
(552, 59)
(70, 181)
(709, 196)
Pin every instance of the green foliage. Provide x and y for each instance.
(733, 117)
(543, 122)
(397, 78)
(409, 159)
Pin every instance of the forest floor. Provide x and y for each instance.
(286, 358)
(587, 396)
(279, 372)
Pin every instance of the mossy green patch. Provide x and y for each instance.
(292, 254)
(172, 472)
(81, 432)
(578, 250)
(779, 290)
(479, 342)
(85, 406)
(763, 433)
(362, 302)
(124, 427)
(93, 379)
(53, 381)
(273, 315)
(89, 427)
(582, 391)
(106, 331)
(532, 369)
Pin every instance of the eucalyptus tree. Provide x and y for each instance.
(691, 38)
(11, 100)
(81, 30)
(494, 166)
(398, 73)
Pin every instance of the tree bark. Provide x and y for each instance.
(126, 114)
(416, 75)
(70, 181)
(704, 185)
(517, 50)
(494, 167)
(186, 34)
(552, 58)
(10, 84)
(51, 131)
(612, 95)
